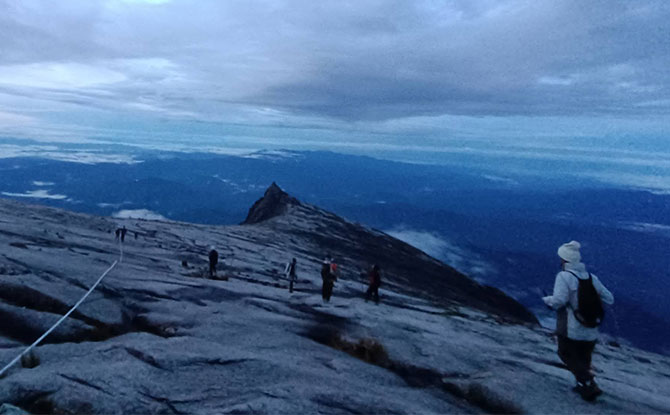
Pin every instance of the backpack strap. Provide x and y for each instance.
(576, 276)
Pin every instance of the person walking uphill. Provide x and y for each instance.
(577, 298)
(213, 260)
(375, 277)
(290, 273)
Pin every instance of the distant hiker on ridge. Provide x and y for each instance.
(375, 277)
(123, 233)
(117, 234)
(213, 260)
(290, 274)
(328, 275)
(577, 298)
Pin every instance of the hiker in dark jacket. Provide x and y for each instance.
(576, 341)
(375, 277)
(213, 260)
(328, 278)
(123, 233)
(290, 273)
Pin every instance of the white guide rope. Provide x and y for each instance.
(81, 300)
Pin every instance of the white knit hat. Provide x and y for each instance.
(570, 251)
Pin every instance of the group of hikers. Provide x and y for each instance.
(120, 233)
(577, 298)
(329, 274)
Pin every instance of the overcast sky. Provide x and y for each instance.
(363, 75)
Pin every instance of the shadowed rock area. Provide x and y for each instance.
(157, 337)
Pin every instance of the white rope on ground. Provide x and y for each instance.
(81, 300)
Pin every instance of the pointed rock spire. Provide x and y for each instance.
(274, 202)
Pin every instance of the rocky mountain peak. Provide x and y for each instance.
(274, 202)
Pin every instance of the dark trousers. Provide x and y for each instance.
(373, 292)
(290, 284)
(327, 289)
(212, 269)
(576, 355)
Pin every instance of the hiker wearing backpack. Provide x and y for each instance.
(290, 273)
(578, 299)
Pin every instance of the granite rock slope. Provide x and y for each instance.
(158, 337)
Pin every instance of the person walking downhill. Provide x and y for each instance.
(290, 273)
(213, 260)
(123, 233)
(577, 298)
(375, 277)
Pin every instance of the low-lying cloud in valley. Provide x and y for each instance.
(440, 248)
(36, 194)
(138, 214)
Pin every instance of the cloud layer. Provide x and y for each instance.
(444, 79)
(377, 60)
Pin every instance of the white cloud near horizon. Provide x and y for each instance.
(55, 152)
(138, 214)
(36, 194)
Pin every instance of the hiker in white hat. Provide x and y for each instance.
(577, 298)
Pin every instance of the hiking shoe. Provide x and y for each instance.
(595, 388)
(589, 391)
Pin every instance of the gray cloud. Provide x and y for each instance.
(352, 74)
(327, 64)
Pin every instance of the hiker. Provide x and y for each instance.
(328, 277)
(123, 233)
(375, 278)
(213, 260)
(290, 273)
(117, 234)
(577, 298)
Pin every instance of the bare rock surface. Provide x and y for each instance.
(157, 337)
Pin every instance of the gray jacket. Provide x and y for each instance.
(564, 300)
